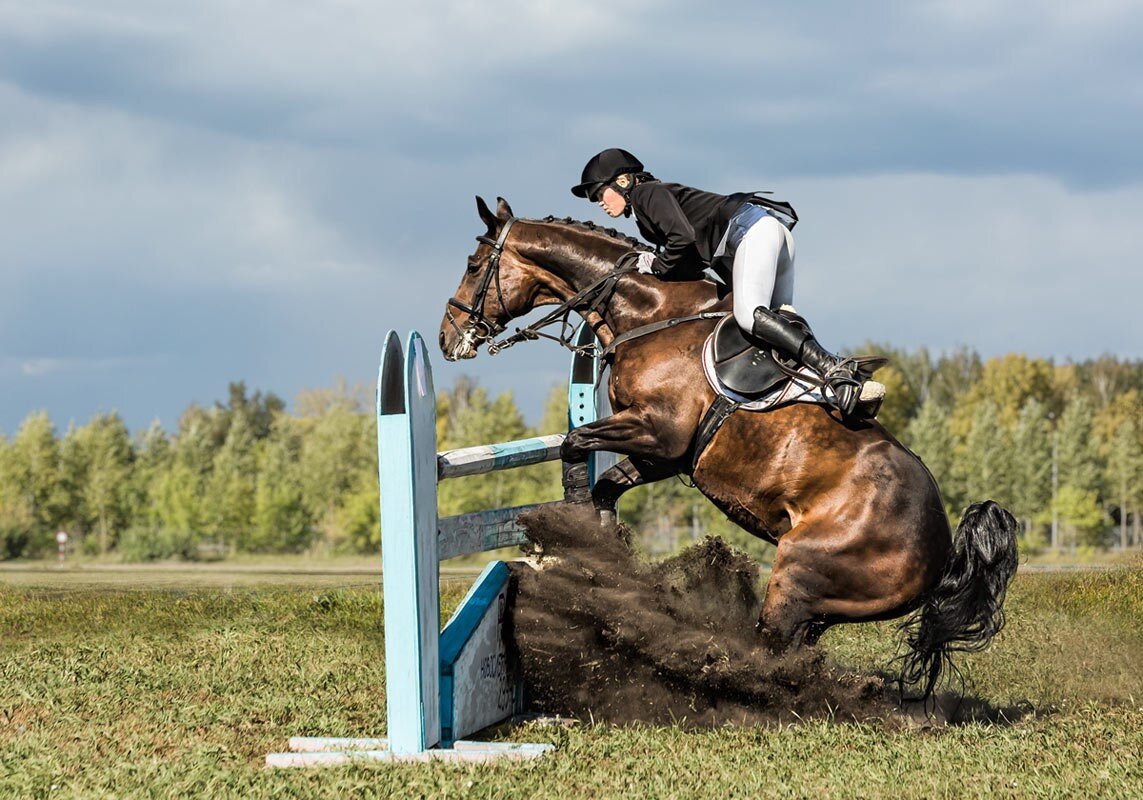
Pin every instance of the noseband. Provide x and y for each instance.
(478, 324)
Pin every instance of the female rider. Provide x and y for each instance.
(693, 228)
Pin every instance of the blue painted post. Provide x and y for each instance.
(583, 400)
(406, 439)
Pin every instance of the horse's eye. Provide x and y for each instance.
(473, 263)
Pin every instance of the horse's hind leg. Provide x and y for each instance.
(802, 583)
(825, 574)
(787, 619)
(626, 475)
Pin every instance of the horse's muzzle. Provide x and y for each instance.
(456, 347)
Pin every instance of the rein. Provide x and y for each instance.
(592, 298)
(655, 327)
(596, 295)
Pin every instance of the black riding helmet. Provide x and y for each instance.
(603, 168)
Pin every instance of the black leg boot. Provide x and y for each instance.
(796, 340)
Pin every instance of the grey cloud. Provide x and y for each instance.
(219, 191)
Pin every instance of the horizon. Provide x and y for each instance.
(363, 390)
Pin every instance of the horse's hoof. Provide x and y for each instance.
(577, 487)
(606, 518)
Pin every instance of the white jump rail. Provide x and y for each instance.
(442, 687)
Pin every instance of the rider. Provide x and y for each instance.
(693, 228)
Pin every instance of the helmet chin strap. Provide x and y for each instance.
(623, 184)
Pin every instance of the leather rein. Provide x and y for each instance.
(592, 298)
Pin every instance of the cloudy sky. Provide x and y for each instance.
(194, 193)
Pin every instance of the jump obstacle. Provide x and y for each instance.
(442, 687)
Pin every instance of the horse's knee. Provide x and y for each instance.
(572, 450)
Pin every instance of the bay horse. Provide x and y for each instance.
(858, 522)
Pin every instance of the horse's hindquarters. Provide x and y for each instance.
(859, 524)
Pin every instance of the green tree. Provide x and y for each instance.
(1081, 518)
(1119, 432)
(179, 492)
(35, 494)
(1078, 472)
(282, 521)
(256, 411)
(153, 458)
(230, 489)
(107, 491)
(473, 420)
(928, 436)
(985, 462)
(1078, 458)
(953, 375)
(358, 515)
(17, 523)
(1107, 378)
(1007, 383)
(74, 470)
(339, 445)
(1031, 464)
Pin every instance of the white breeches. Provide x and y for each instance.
(763, 270)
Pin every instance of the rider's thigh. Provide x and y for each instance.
(763, 270)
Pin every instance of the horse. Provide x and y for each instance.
(860, 529)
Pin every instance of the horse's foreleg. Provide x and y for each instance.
(630, 432)
(626, 432)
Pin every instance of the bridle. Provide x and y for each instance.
(480, 327)
(592, 298)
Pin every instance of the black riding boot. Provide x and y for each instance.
(794, 337)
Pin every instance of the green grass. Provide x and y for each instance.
(140, 687)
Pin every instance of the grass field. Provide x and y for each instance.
(176, 683)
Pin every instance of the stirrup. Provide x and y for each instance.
(845, 385)
(870, 400)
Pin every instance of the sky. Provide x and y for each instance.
(197, 193)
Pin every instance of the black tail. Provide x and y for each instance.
(965, 609)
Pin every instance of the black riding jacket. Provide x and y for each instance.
(686, 223)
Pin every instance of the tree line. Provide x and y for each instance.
(1060, 445)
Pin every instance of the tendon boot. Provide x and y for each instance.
(577, 486)
(794, 338)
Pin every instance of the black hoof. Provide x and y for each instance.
(575, 479)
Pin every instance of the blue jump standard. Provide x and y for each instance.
(442, 686)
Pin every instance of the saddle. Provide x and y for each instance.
(741, 366)
(753, 379)
(751, 371)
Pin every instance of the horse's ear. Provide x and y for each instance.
(503, 210)
(486, 215)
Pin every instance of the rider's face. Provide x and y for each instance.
(612, 202)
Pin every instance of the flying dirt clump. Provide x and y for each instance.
(602, 635)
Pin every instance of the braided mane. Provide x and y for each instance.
(631, 241)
